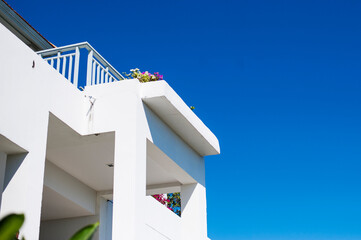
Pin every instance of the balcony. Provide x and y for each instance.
(81, 65)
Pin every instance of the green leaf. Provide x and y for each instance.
(10, 225)
(86, 232)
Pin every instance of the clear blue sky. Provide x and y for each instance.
(277, 81)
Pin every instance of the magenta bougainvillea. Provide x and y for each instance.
(162, 199)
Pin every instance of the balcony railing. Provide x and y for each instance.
(67, 61)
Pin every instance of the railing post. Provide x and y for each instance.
(70, 69)
(106, 80)
(58, 62)
(64, 66)
(98, 74)
(93, 73)
(76, 66)
(102, 76)
(89, 68)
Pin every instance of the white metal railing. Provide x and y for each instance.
(66, 60)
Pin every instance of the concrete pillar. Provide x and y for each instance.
(194, 212)
(2, 173)
(129, 174)
(23, 191)
(105, 218)
(108, 231)
(24, 178)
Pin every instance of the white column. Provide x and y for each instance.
(105, 218)
(129, 174)
(24, 179)
(23, 192)
(194, 212)
(108, 232)
(2, 173)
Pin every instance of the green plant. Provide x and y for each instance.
(86, 232)
(10, 225)
(175, 202)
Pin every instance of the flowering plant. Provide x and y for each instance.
(171, 200)
(162, 198)
(143, 76)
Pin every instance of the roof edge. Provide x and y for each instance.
(23, 28)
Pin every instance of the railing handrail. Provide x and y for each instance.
(86, 45)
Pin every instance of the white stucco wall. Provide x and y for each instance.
(63, 229)
(137, 118)
(69, 187)
(194, 211)
(160, 222)
(28, 94)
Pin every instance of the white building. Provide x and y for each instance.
(71, 157)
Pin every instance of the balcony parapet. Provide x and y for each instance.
(66, 60)
(170, 107)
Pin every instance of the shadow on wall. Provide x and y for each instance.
(175, 147)
(186, 195)
(13, 163)
(11, 158)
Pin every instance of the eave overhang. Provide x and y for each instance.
(22, 29)
(166, 103)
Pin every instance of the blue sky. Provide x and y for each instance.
(277, 81)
